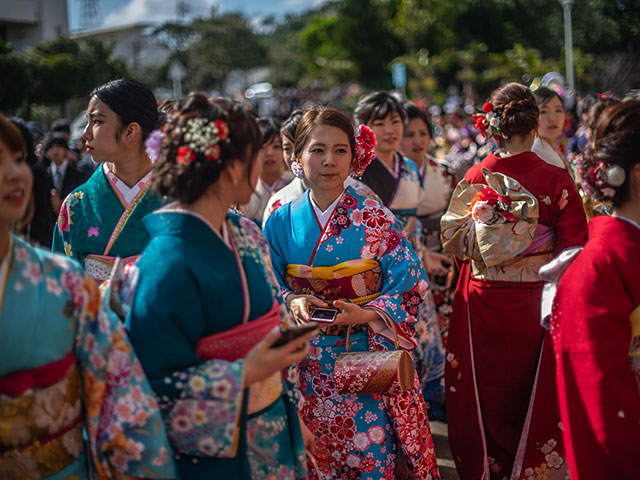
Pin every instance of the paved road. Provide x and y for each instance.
(443, 453)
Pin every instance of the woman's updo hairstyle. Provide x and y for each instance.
(616, 141)
(322, 116)
(131, 101)
(599, 105)
(516, 108)
(290, 125)
(375, 106)
(544, 94)
(416, 111)
(187, 182)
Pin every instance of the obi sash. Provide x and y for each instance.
(235, 343)
(99, 267)
(358, 281)
(41, 426)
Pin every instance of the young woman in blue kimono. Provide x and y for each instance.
(207, 308)
(332, 244)
(74, 401)
(102, 219)
(396, 180)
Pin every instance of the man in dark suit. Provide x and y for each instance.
(63, 177)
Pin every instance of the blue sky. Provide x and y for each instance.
(122, 12)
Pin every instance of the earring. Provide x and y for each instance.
(296, 168)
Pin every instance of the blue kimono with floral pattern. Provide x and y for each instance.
(191, 284)
(356, 435)
(74, 400)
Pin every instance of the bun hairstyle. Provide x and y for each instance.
(322, 116)
(131, 101)
(516, 107)
(616, 142)
(187, 182)
(377, 105)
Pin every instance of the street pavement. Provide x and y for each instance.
(443, 452)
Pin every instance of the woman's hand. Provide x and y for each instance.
(299, 305)
(262, 361)
(352, 314)
(436, 264)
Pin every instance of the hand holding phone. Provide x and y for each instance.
(292, 333)
(324, 315)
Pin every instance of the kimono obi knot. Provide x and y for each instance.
(235, 343)
(41, 430)
(99, 267)
(358, 281)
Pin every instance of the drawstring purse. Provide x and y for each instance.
(375, 371)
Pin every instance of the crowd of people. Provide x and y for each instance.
(207, 294)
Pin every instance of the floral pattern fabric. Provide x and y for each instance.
(60, 314)
(356, 435)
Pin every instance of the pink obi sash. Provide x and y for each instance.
(235, 343)
(99, 267)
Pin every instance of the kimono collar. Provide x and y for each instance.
(4, 270)
(324, 216)
(125, 193)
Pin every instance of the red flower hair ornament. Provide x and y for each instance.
(488, 119)
(364, 154)
(198, 136)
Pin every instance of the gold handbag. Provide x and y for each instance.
(379, 371)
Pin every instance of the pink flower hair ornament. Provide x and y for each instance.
(488, 119)
(607, 178)
(364, 154)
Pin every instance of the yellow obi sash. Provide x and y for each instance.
(358, 281)
(41, 430)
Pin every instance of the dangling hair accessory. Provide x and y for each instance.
(607, 177)
(152, 145)
(364, 154)
(488, 119)
(297, 170)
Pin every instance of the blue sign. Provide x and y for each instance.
(398, 74)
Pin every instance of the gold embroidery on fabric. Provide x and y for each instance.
(264, 393)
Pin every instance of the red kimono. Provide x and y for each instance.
(595, 326)
(501, 399)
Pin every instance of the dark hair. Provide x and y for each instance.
(516, 107)
(187, 183)
(269, 128)
(415, 111)
(11, 136)
(54, 139)
(61, 125)
(544, 94)
(131, 101)
(289, 126)
(377, 105)
(585, 105)
(616, 141)
(27, 138)
(322, 116)
(601, 103)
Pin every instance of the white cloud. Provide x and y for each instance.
(154, 11)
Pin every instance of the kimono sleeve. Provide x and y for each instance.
(277, 250)
(123, 423)
(404, 284)
(201, 402)
(598, 391)
(568, 219)
(62, 241)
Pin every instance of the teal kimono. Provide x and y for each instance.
(194, 290)
(102, 220)
(68, 371)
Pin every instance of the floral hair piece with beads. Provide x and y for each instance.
(488, 119)
(607, 178)
(198, 136)
(364, 154)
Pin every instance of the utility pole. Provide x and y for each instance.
(568, 42)
(90, 17)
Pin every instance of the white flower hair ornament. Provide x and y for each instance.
(364, 154)
(607, 177)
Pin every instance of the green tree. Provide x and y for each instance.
(14, 83)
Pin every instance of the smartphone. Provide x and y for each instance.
(324, 315)
(292, 333)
